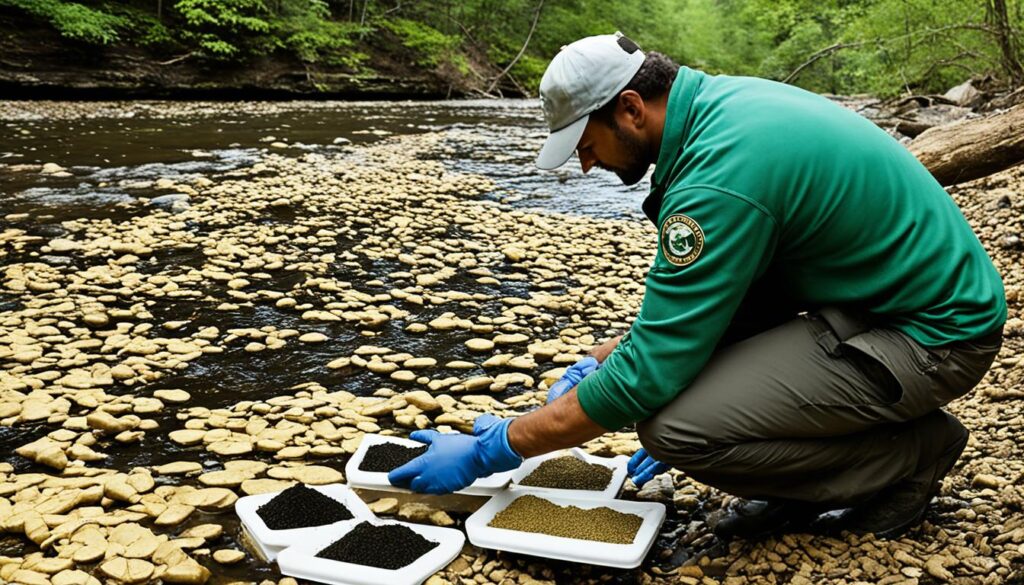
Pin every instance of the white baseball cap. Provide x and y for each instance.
(581, 78)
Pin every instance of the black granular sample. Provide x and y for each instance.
(569, 473)
(390, 546)
(302, 507)
(387, 456)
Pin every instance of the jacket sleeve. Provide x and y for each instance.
(712, 244)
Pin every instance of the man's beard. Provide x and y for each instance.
(636, 151)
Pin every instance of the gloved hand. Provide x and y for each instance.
(642, 467)
(573, 375)
(453, 461)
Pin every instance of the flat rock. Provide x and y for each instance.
(479, 344)
(179, 468)
(317, 475)
(252, 487)
(229, 448)
(127, 570)
(187, 436)
(172, 395)
(204, 531)
(228, 556)
(384, 506)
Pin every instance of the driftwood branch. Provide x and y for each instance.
(177, 59)
(926, 33)
(529, 35)
(818, 55)
(971, 149)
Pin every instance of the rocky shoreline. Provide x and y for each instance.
(422, 304)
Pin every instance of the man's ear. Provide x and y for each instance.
(631, 110)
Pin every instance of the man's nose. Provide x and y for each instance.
(587, 163)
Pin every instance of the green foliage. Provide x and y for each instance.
(431, 46)
(72, 20)
(226, 28)
(305, 28)
(883, 47)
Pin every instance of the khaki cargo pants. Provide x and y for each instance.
(820, 407)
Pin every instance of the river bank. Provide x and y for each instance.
(180, 329)
(38, 63)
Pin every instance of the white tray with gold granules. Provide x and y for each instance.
(579, 550)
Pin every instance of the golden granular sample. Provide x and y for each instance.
(533, 514)
(569, 473)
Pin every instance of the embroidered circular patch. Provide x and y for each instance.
(682, 240)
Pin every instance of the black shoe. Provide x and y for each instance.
(753, 519)
(902, 505)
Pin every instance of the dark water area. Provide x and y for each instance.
(111, 156)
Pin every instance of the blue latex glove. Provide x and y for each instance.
(453, 461)
(573, 375)
(642, 467)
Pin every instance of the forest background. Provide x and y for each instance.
(879, 47)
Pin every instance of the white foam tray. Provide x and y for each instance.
(625, 556)
(485, 486)
(618, 465)
(272, 542)
(301, 561)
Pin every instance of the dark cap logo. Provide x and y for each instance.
(628, 45)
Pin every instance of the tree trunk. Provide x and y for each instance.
(971, 149)
(1007, 41)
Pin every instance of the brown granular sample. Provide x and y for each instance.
(301, 507)
(569, 473)
(387, 456)
(533, 514)
(390, 546)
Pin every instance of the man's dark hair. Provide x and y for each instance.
(653, 80)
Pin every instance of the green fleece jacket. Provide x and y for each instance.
(754, 176)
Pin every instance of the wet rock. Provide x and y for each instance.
(659, 489)
(983, 480)
(168, 200)
(172, 396)
(478, 344)
(228, 556)
(127, 570)
(424, 513)
(188, 572)
(204, 531)
(384, 506)
(174, 514)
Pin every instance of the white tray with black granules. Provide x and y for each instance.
(617, 477)
(301, 560)
(378, 480)
(270, 541)
(579, 549)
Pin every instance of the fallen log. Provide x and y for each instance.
(971, 149)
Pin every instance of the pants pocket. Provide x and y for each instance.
(867, 380)
(913, 367)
